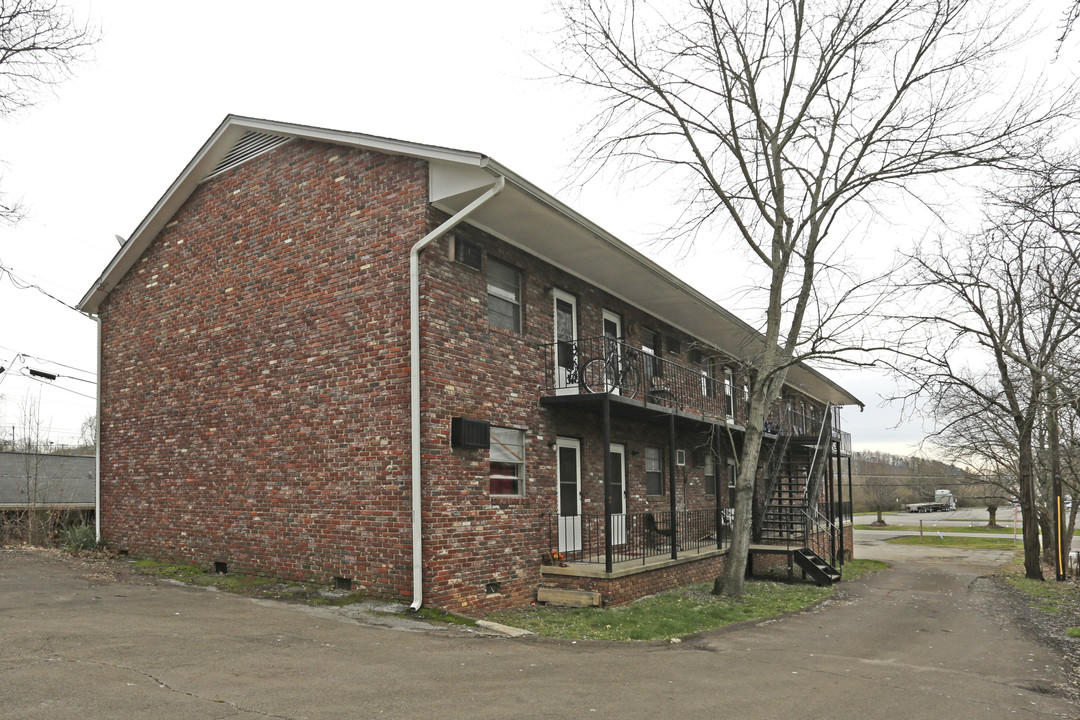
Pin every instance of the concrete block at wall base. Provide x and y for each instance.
(568, 598)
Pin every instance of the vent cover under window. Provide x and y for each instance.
(250, 145)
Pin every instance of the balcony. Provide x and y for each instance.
(599, 365)
(639, 538)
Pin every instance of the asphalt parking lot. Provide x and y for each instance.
(927, 639)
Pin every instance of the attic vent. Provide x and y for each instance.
(250, 145)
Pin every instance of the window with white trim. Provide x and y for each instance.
(507, 457)
(650, 351)
(709, 465)
(729, 392)
(504, 295)
(654, 474)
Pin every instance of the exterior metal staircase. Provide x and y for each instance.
(816, 567)
(790, 513)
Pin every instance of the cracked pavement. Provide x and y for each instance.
(927, 639)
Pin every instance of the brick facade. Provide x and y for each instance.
(255, 391)
(255, 372)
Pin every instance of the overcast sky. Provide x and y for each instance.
(92, 159)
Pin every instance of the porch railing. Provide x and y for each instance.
(604, 364)
(636, 537)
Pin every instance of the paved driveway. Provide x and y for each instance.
(924, 640)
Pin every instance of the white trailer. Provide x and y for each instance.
(943, 501)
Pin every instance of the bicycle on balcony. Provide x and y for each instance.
(616, 371)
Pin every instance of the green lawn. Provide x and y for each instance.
(676, 612)
(972, 543)
(943, 528)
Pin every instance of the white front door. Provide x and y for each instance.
(568, 468)
(566, 344)
(617, 488)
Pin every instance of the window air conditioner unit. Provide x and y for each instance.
(468, 433)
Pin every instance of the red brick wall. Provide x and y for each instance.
(624, 589)
(255, 389)
(475, 370)
(255, 372)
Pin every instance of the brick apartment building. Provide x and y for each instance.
(343, 358)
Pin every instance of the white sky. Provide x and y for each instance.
(90, 161)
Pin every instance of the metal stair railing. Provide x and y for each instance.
(818, 524)
(816, 473)
(776, 462)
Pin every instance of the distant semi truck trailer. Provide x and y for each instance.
(943, 501)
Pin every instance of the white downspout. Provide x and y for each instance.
(97, 443)
(414, 378)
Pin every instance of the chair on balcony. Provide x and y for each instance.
(654, 530)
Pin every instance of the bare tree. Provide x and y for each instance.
(779, 117)
(40, 40)
(34, 523)
(996, 350)
(88, 431)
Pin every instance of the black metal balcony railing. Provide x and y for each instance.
(581, 538)
(604, 364)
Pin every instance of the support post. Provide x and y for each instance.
(671, 485)
(716, 486)
(840, 493)
(606, 430)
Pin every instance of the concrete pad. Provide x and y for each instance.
(926, 640)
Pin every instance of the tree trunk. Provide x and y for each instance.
(763, 395)
(1032, 561)
(992, 509)
(1049, 538)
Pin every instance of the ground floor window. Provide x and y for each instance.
(654, 475)
(709, 467)
(507, 455)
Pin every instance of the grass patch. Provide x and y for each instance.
(942, 528)
(1073, 632)
(855, 569)
(249, 585)
(676, 612)
(931, 539)
(1046, 596)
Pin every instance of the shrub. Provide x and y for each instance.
(78, 537)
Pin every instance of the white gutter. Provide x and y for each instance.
(414, 379)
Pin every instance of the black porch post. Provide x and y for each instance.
(606, 430)
(671, 486)
(830, 494)
(716, 484)
(840, 493)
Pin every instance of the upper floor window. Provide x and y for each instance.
(507, 458)
(654, 475)
(708, 381)
(504, 295)
(650, 350)
(464, 252)
(729, 392)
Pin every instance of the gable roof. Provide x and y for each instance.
(522, 215)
